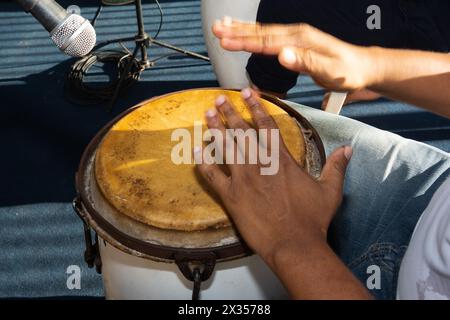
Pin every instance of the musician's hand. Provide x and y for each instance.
(275, 213)
(332, 63)
(283, 217)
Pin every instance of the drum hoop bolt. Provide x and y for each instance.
(196, 268)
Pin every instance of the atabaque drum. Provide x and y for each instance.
(153, 227)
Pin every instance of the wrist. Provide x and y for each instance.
(290, 253)
(376, 67)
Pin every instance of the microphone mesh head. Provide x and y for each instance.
(74, 36)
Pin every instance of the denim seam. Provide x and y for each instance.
(375, 250)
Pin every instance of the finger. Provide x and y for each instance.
(257, 38)
(211, 173)
(227, 28)
(333, 172)
(232, 28)
(231, 116)
(235, 153)
(267, 44)
(270, 38)
(303, 60)
(214, 122)
(261, 118)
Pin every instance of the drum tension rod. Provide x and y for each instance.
(91, 253)
(197, 284)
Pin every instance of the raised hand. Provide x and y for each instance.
(332, 63)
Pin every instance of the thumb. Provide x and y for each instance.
(304, 60)
(333, 172)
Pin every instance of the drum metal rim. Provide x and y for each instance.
(151, 251)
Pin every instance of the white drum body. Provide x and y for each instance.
(229, 67)
(130, 277)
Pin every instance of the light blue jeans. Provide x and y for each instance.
(388, 184)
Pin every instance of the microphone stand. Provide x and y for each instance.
(143, 42)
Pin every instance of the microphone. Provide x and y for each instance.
(72, 34)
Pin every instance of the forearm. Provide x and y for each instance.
(416, 77)
(315, 272)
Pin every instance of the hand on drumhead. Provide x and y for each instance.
(282, 215)
(332, 63)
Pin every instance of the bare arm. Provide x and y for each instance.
(284, 217)
(417, 77)
(317, 273)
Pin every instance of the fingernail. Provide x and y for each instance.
(217, 24)
(211, 113)
(220, 100)
(348, 152)
(289, 56)
(197, 154)
(246, 93)
(227, 21)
